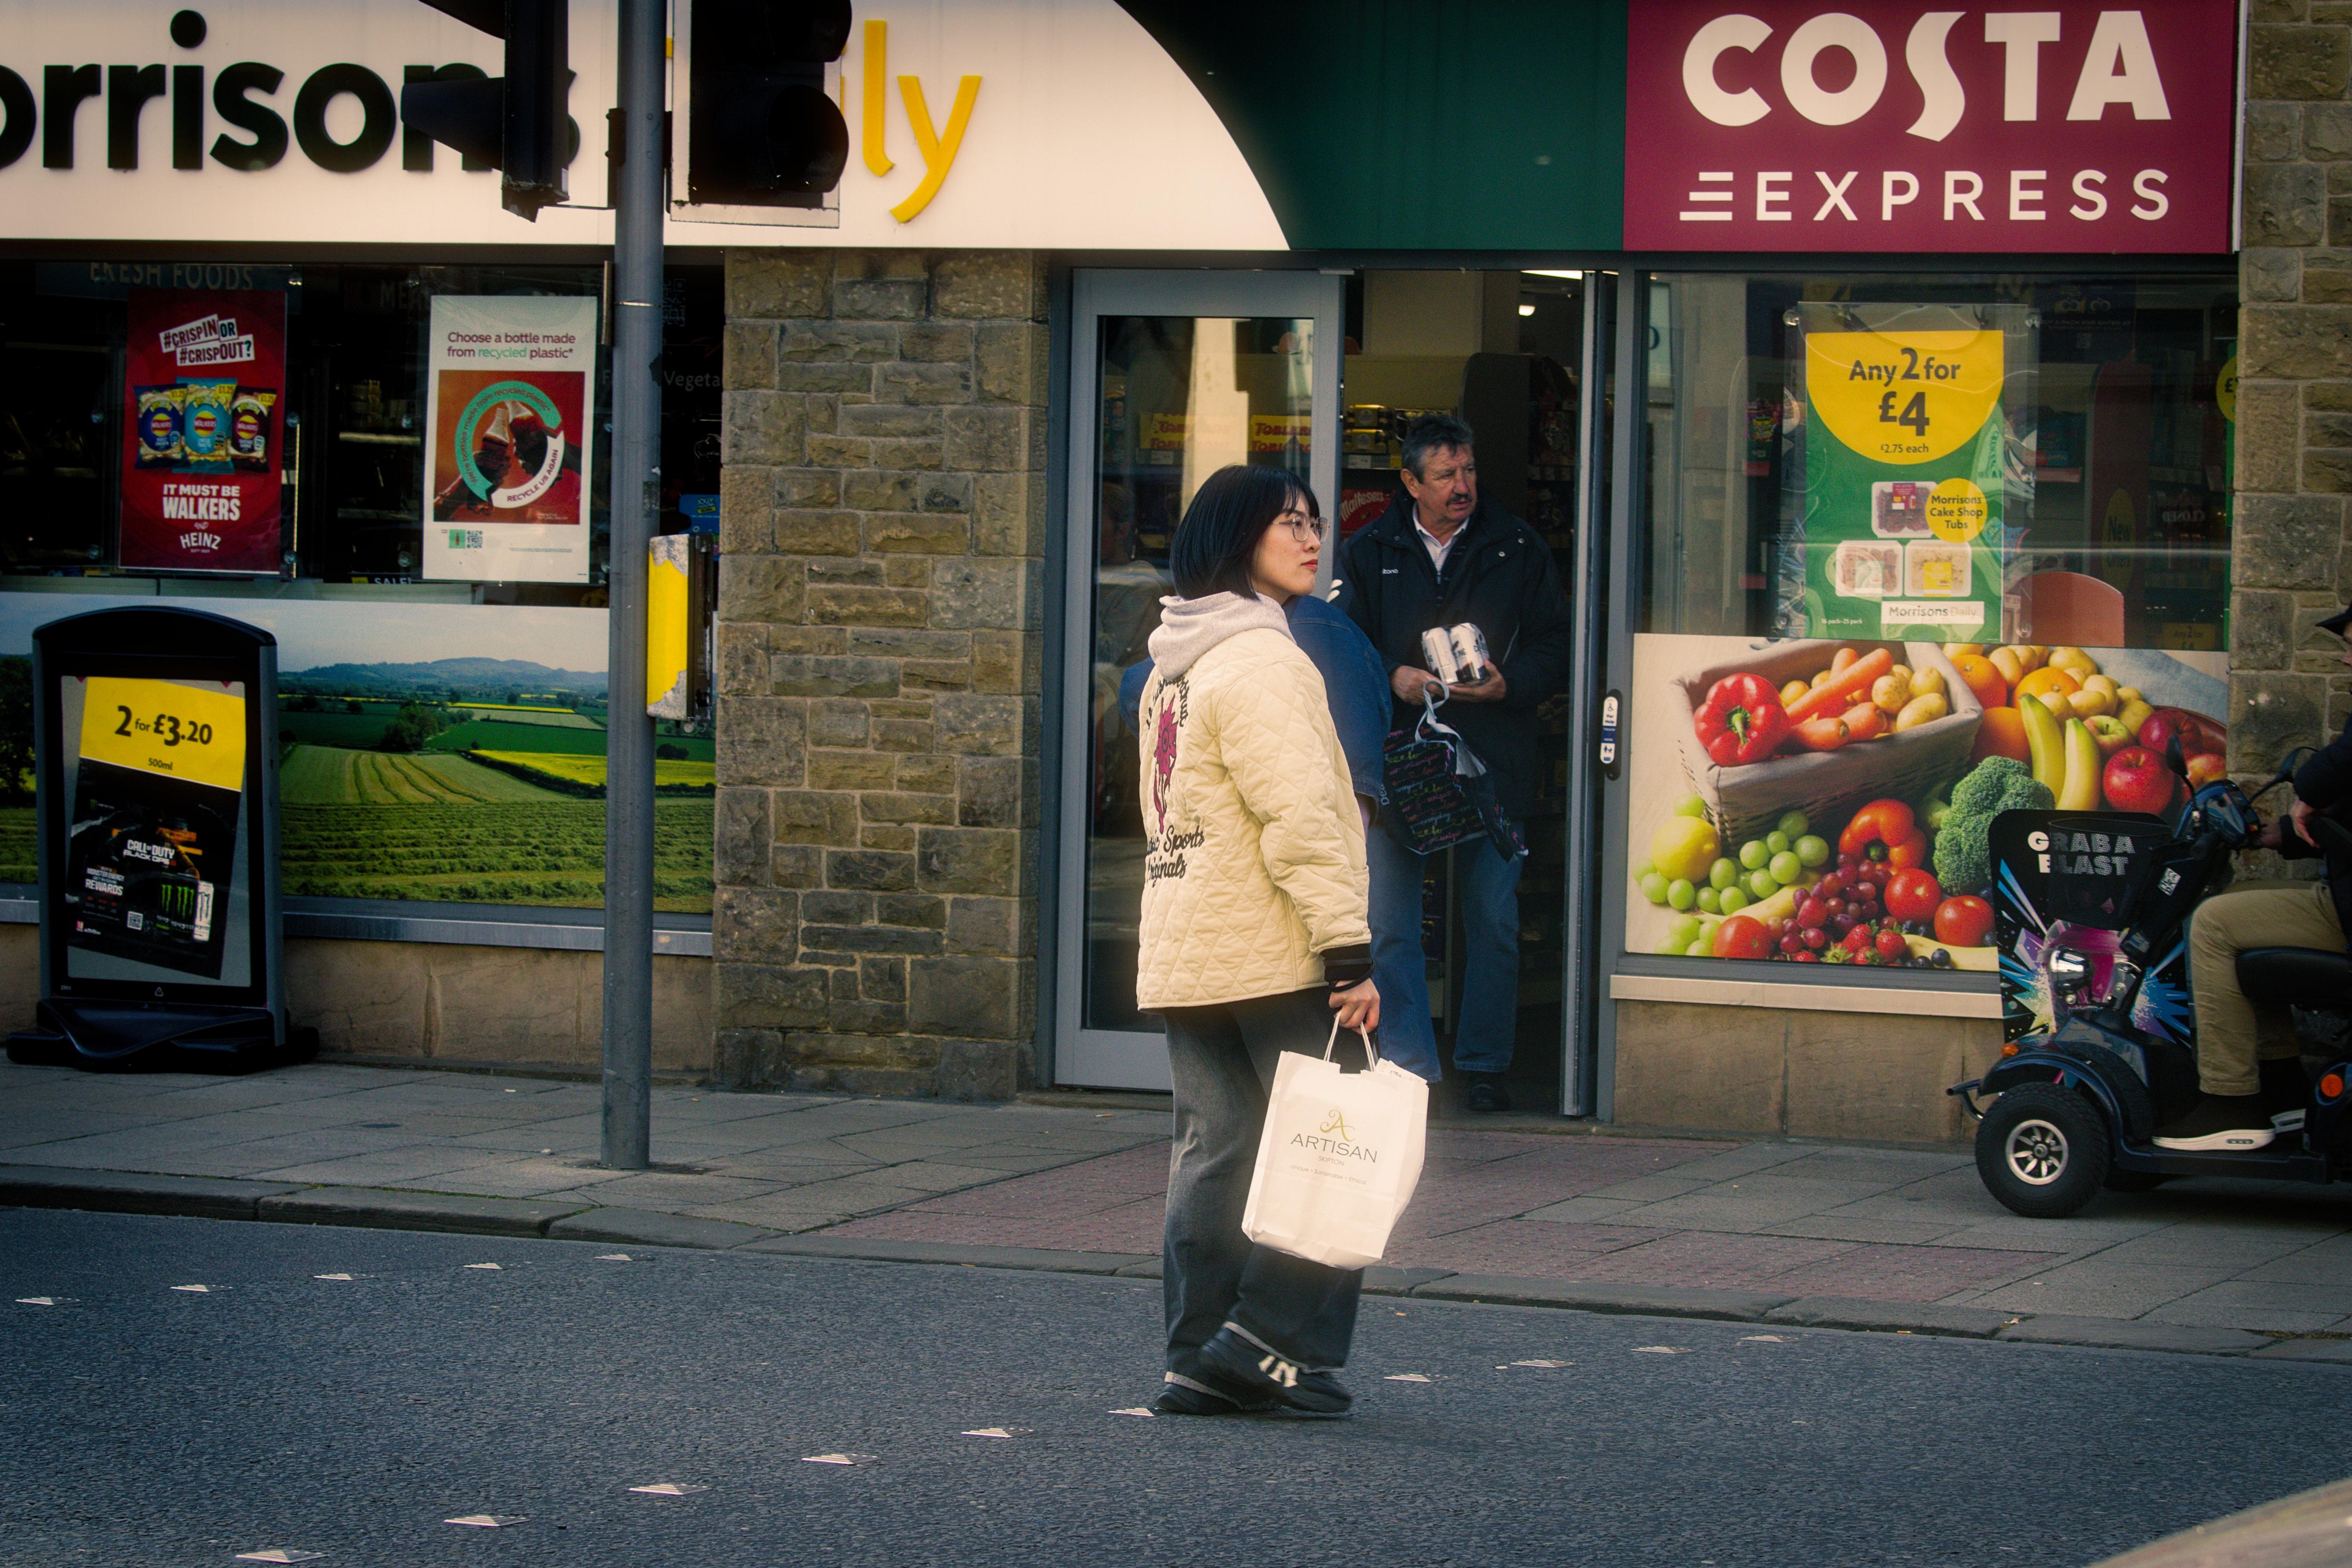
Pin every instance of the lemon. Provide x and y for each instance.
(1685, 847)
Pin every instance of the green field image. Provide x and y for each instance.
(549, 718)
(669, 774)
(497, 735)
(18, 861)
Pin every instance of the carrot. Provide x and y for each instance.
(1844, 689)
(1865, 722)
(1839, 659)
(1822, 734)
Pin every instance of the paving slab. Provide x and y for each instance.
(2338, 1351)
(1661, 1300)
(1829, 1313)
(650, 1228)
(374, 1207)
(2119, 1333)
(128, 1191)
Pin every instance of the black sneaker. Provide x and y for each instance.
(1242, 1364)
(2232, 1124)
(1485, 1095)
(1194, 1396)
(2285, 1093)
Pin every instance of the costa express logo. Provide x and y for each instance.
(1781, 126)
(244, 97)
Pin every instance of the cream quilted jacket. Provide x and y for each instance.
(1255, 860)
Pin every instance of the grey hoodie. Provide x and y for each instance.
(1190, 628)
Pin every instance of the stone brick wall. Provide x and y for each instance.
(2292, 557)
(878, 670)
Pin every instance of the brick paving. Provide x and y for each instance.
(1898, 1225)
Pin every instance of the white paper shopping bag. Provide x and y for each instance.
(1339, 1159)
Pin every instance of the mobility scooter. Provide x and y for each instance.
(2079, 1101)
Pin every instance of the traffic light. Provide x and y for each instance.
(515, 123)
(760, 130)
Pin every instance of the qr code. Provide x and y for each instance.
(465, 539)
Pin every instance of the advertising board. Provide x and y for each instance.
(510, 385)
(203, 429)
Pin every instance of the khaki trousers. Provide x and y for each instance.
(2232, 1034)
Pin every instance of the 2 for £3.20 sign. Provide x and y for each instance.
(187, 733)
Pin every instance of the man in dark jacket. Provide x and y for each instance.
(2245, 1105)
(1439, 557)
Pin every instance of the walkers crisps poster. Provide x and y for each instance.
(202, 422)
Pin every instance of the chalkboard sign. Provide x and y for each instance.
(156, 797)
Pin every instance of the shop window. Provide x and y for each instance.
(2005, 498)
(442, 730)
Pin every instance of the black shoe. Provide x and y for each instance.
(1184, 1399)
(1242, 1365)
(2286, 1092)
(2231, 1123)
(1485, 1094)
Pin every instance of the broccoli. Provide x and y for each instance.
(1963, 845)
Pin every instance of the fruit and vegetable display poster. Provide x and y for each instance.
(511, 383)
(150, 857)
(203, 424)
(1903, 424)
(2060, 881)
(1823, 800)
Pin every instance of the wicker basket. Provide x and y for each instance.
(1745, 801)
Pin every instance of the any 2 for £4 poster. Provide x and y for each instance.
(509, 402)
(204, 419)
(1904, 496)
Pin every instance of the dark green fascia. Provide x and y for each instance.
(1417, 125)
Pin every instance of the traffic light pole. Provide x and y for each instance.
(635, 502)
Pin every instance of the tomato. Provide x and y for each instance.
(1742, 936)
(1885, 821)
(1964, 922)
(1913, 895)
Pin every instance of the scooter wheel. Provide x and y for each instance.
(2043, 1150)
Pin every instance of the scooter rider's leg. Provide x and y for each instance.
(2234, 1115)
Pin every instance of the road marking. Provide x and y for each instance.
(1410, 1377)
(837, 1458)
(1662, 1349)
(280, 1554)
(41, 1301)
(1542, 1363)
(669, 1488)
(1766, 1339)
(343, 1277)
(483, 1266)
(196, 1290)
(997, 1432)
(488, 1520)
(615, 1258)
(1135, 1410)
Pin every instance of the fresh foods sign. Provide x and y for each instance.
(1781, 126)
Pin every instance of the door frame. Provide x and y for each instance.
(1121, 1058)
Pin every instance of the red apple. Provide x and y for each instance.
(2197, 733)
(2205, 767)
(2137, 779)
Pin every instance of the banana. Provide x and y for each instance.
(2082, 764)
(2045, 743)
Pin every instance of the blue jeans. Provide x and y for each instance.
(1220, 1060)
(1489, 899)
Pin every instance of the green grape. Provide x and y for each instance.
(1654, 888)
(1794, 825)
(1642, 868)
(1813, 850)
(1753, 854)
(1670, 946)
(1787, 868)
(1722, 874)
(1778, 842)
(1680, 894)
(1690, 805)
(1710, 899)
(1733, 901)
(1684, 926)
(1762, 883)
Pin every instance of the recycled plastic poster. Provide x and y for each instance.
(152, 848)
(203, 424)
(1904, 500)
(511, 383)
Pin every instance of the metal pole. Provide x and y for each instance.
(636, 499)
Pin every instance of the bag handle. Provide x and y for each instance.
(1372, 1051)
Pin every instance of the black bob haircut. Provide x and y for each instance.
(1230, 512)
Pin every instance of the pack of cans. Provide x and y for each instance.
(1456, 655)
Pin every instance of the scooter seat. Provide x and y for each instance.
(2296, 977)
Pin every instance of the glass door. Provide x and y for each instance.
(1173, 377)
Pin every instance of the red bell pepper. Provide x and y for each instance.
(1742, 721)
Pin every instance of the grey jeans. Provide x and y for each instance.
(1221, 1059)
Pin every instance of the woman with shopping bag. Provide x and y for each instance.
(1253, 935)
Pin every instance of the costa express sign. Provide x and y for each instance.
(1782, 126)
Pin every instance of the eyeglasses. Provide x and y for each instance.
(1306, 530)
